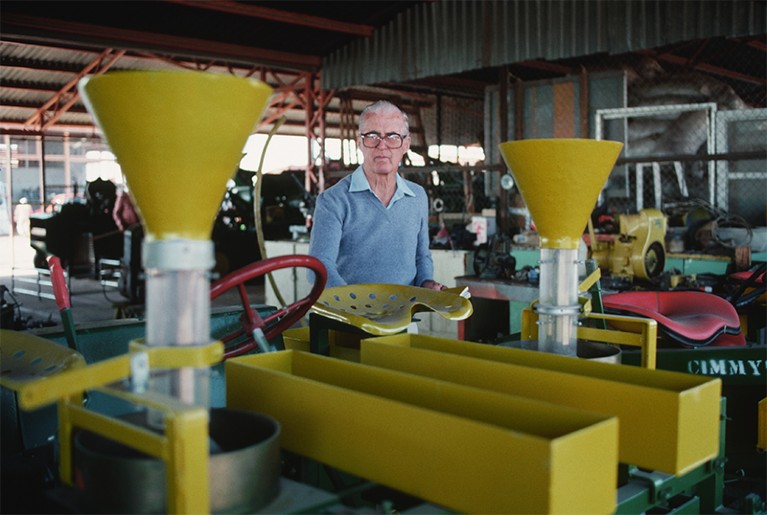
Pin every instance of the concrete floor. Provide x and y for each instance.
(91, 302)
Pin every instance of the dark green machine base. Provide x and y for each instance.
(743, 467)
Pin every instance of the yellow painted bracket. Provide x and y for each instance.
(669, 421)
(41, 371)
(36, 392)
(590, 281)
(183, 445)
(465, 449)
(381, 309)
(634, 331)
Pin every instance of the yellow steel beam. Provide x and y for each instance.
(41, 390)
(41, 371)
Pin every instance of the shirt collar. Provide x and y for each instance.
(360, 183)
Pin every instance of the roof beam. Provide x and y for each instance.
(46, 29)
(68, 94)
(705, 67)
(539, 64)
(292, 18)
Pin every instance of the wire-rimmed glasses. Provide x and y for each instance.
(373, 139)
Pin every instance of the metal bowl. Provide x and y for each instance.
(244, 467)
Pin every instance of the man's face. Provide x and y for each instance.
(382, 159)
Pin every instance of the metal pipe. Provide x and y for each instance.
(178, 298)
(558, 307)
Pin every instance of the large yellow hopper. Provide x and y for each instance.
(178, 137)
(560, 181)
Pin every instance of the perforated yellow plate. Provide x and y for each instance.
(26, 357)
(384, 309)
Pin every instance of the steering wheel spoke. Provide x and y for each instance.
(256, 331)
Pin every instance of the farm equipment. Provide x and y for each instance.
(408, 422)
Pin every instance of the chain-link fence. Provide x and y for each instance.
(693, 145)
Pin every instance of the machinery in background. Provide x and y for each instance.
(493, 259)
(284, 203)
(78, 232)
(546, 446)
(637, 251)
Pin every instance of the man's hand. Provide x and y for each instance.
(433, 285)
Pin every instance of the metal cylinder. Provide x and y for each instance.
(178, 311)
(558, 308)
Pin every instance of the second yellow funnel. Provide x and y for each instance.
(178, 137)
(560, 181)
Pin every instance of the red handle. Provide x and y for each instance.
(60, 290)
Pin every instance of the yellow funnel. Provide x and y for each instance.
(560, 181)
(178, 137)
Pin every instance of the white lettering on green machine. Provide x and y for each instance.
(728, 367)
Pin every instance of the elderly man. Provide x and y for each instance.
(373, 225)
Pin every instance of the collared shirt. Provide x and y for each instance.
(359, 182)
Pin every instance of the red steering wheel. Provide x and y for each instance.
(255, 331)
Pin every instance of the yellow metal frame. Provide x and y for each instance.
(183, 445)
(35, 393)
(678, 413)
(636, 332)
(466, 449)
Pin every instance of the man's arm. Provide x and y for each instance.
(325, 239)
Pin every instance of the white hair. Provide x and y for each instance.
(380, 107)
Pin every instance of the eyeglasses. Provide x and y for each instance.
(392, 140)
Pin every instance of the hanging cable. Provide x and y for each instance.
(257, 208)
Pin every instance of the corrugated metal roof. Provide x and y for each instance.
(448, 37)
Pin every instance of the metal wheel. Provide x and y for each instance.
(654, 261)
(256, 331)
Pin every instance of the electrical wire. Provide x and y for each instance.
(257, 208)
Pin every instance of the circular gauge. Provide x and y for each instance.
(507, 182)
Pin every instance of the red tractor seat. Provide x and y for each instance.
(689, 318)
(745, 275)
(747, 287)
